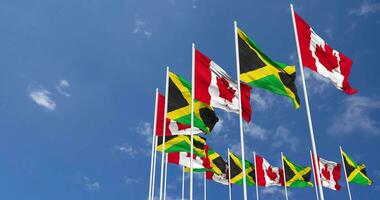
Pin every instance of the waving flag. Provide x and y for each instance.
(222, 179)
(356, 173)
(320, 57)
(296, 175)
(236, 168)
(216, 88)
(172, 127)
(267, 175)
(184, 159)
(330, 173)
(179, 105)
(258, 70)
(182, 143)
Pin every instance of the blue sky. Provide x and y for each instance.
(78, 78)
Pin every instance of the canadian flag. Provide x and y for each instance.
(172, 127)
(222, 179)
(215, 87)
(267, 175)
(330, 173)
(184, 159)
(320, 57)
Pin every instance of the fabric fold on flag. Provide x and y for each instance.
(215, 87)
(236, 171)
(330, 173)
(182, 143)
(318, 56)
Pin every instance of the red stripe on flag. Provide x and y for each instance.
(202, 77)
(160, 115)
(174, 157)
(260, 174)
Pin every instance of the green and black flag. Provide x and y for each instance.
(236, 171)
(296, 175)
(179, 105)
(217, 164)
(182, 143)
(356, 173)
(258, 70)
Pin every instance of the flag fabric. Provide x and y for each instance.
(179, 105)
(236, 171)
(267, 175)
(215, 87)
(258, 70)
(330, 173)
(356, 173)
(184, 159)
(222, 179)
(318, 56)
(217, 164)
(296, 175)
(182, 143)
(172, 127)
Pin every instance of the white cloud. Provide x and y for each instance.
(142, 27)
(256, 131)
(218, 126)
(145, 129)
(261, 100)
(91, 185)
(62, 84)
(316, 83)
(127, 149)
(275, 191)
(41, 97)
(194, 4)
(283, 137)
(129, 180)
(366, 8)
(356, 116)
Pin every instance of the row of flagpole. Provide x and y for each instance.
(162, 191)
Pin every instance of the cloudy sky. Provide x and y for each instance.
(77, 86)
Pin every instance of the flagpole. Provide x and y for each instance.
(204, 186)
(153, 142)
(192, 119)
(345, 172)
(240, 112)
(257, 184)
(229, 175)
(307, 106)
(166, 174)
(315, 176)
(183, 182)
(164, 132)
(154, 166)
(283, 171)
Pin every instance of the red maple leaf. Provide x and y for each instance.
(271, 174)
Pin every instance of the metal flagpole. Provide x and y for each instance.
(153, 142)
(204, 186)
(315, 176)
(154, 166)
(307, 106)
(345, 173)
(257, 185)
(240, 112)
(192, 119)
(166, 174)
(229, 175)
(283, 171)
(164, 133)
(183, 182)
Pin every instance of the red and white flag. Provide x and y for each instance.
(215, 87)
(330, 173)
(267, 175)
(172, 127)
(222, 179)
(320, 57)
(184, 159)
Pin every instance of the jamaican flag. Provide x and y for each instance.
(296, 176)
(355, 173)
(258, 70)
(179, 105)
(237, 171)
(217, 164)
(182, 143)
